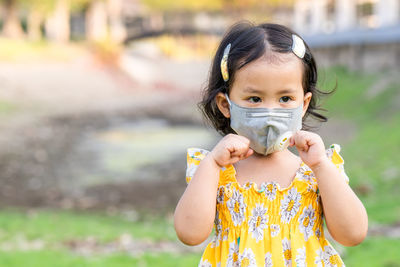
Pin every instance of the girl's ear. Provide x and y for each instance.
(307, 99)
(223, 104)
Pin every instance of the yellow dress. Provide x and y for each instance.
(265, 225)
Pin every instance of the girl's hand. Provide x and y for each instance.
(231, 149)
(311, 148)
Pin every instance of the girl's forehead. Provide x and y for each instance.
(288, 69)
(266, 72)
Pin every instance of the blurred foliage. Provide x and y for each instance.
(213, 5)
(42, 6)
(187, 48)
(371, 156)
(106, 51)
(162, 5)
(24, 51)
(46, 6)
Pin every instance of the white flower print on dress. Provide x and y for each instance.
(331, 257)
(318, 233)
(306, 174)
(194, 157)
(236, 207)
(307, 220)
(301, 257)
(258, 222)
(247, 258)
(275, 228)
(290, 205)
(233, 257)
(205, 263)
(270, 191)
(247, 185)
(319, 258)
(218, 231)
(268, 260)
(287, 252)
(220, 195)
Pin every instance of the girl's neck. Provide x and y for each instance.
(279, 167)
(274, 157)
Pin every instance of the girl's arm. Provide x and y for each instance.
(345, 215)
(195, 213)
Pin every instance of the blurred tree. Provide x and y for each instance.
(96, 21)
(58, 22)
(55, 13)
(104, 21)
(38, 10)
(117, 28)
(12, 26)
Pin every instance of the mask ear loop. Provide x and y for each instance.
(227, 98)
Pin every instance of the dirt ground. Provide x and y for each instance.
(53, 104)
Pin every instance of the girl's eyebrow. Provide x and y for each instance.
(255, 91)
(285, 91)
(252, 91)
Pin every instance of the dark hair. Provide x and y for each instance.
(248, 43)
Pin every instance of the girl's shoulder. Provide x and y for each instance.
(194, 156)
(333, 153)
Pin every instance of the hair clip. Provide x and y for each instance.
(224, 63)
(298, 47)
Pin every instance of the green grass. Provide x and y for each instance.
(372, 156)
(374, 252)
(7, 108)
(66, 259)
(56, 226)
(54, 229)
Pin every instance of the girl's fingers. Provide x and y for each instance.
(232, 149)
(240, 152)
(237, 158)
(291, 141)
(241, 145)
(249, 153)
(300, 140)
(243, 139)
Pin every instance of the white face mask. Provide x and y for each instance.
(268, 130)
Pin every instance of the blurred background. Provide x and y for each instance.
(98, 105)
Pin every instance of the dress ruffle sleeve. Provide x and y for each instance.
(194, 157)
(333, 153)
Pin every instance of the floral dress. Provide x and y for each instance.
(268, 225)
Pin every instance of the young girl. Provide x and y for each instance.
(266, 203)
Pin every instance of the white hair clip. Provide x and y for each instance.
(224, 63)
(298, 47)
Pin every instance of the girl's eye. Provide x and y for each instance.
(254, 99)
(284, 99)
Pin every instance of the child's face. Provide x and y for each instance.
(268, 82)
